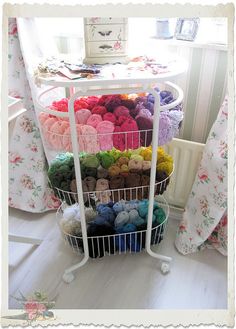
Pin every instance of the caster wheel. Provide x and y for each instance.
(68, 277)
(165, 268)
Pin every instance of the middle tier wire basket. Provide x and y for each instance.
(92, 198)
(120, 243)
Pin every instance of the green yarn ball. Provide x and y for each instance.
(105, 159)
(160, 215)
(90, 161)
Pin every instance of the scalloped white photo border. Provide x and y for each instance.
(111, 8)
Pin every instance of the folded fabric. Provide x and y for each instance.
(82, 116)
(105, 130)
(98, 109)
(102, 172)
(132, 137)
(56, 134)
(135, 165)
(145, 123)
(119, 139)
(117, 182)
(94, 120)
(109, 117)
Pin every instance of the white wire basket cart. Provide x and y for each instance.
(142, 240)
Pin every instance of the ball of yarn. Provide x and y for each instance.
(160, 215)
(69, 213)
(129, 103)
(94, 120)
(106, 159)
(113, 170)
(121, 111)
(122, 160)
(153, 217)
(82, 116)
(166, 167)
(91, 161)
(119, 206)
(108, 214)
(109, 117)
(130, 205)
(138, 221)
(124, 170)
(102, 172)
(90, 214)
(133, 214)
(98, 109)
(129, 227)
(121, 219)
(143, 208)
(112, 102)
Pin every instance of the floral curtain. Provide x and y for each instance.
(204, 221)
(28, 186)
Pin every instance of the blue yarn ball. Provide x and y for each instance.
(99, 220)
(133, 214)
(118, 207)
(108, 214)
(121, 219)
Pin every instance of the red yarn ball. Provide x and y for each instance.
(98, 109)
(61, 105)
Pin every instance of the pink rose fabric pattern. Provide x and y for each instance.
(204, 221)
(28, 185)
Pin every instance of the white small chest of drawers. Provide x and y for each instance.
(105, 40)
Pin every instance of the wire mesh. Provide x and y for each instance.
(122, 243)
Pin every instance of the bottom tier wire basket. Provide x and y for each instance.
(123, 243)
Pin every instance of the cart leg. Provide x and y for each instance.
(68, 276)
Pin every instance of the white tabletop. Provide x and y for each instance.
(133, 72)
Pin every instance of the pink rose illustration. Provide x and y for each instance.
(12, 28)
(14, 158)
(34, 309)
(203, 175)
(117, 45)
(27, 182)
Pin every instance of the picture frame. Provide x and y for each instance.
(186, 28)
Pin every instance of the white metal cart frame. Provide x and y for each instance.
(88, 87)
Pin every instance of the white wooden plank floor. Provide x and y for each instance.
(197, 281)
